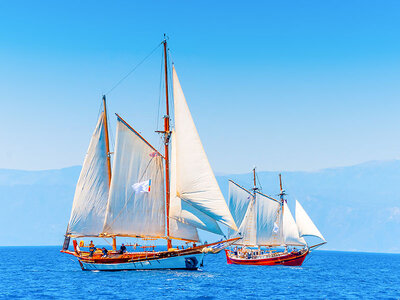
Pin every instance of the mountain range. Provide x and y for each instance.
(357, 208)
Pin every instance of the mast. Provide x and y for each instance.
(107, 141)
(166, 142)
(114, 245)
(254, 177)
(282, 198)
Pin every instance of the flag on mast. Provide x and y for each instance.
(142, 187)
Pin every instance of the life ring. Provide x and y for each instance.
(81, 243)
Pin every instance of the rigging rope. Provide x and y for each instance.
(133, 69)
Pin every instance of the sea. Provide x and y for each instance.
(45, 273)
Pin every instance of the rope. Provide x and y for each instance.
(133, 69)
(259, 182)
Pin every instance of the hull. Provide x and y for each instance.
(289, 259)
(185, 259)
(184, 262)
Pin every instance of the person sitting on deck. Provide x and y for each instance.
(122, 250)
(92, 248)
(105, 252)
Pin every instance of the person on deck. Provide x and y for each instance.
(105, 252)
(122, 250)
(92, 248)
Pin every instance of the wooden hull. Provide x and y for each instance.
(289, 259)
(186, 259)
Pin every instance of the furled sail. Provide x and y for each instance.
(183, 211)
(305, 224)
(290, 230)
(91, 193)
(136, 205)
(195, 180)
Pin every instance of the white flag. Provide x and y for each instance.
(276, 228)
(142, 187)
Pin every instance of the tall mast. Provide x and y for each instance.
(282, 194)
(166, 142)
(255, 183)
(114, 245)
(107, 141)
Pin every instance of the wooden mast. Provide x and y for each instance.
(114, 245)
(254, 178)
(166, 142)
(107, 141)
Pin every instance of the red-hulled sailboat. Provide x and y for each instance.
(267, 227)
(148, 195)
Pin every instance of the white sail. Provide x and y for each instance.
(136, 205)
(195, 180)
(182, 211)
(91, 193)
(290, 230)
(248, 227)
(182, 231)
(268, 220)
(261, 224)
(238, 201)
(305, 224)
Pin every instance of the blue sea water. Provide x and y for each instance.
(43, 272)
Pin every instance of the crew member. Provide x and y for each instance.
(105, 252)
(122, 250)
(92, 248)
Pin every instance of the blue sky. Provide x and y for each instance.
(294, 85)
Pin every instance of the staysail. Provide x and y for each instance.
(305, 224)
(195, 180)
(91, 193)
(290, 231)
(136, 205)
(183, 211)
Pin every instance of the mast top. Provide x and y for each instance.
(255, 188)
(282, 194)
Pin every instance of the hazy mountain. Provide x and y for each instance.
(356, 208)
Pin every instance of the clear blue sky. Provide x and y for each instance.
(284, 85)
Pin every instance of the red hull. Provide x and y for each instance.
(289, 259)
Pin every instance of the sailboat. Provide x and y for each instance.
(267, 225)
(148, 195)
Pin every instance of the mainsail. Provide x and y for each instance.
(132, 210)
(195, 181)
(91, 193)
(269, 230)
(257, 215)
(305, 224)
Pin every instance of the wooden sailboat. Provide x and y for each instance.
(148, 195)
(266, 224)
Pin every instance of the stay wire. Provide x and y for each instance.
(259, 182)
(133, 69)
